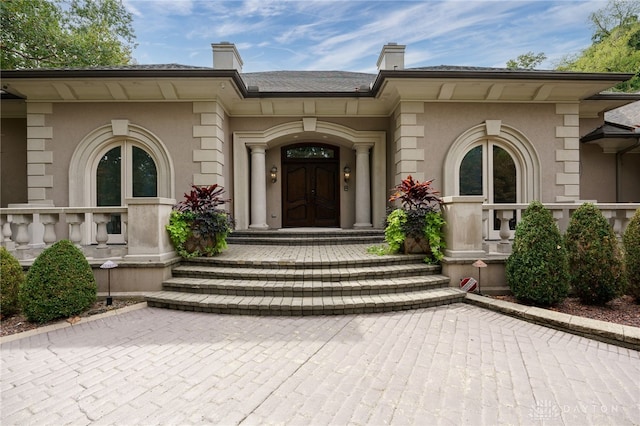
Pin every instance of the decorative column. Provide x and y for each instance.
(363, 186)
(258, 206)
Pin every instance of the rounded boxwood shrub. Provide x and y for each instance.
(11, 279)
(631, 241)
(595, 262)
(537, 269)
(59, 284)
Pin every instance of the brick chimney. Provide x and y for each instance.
(391, 57)
(226, 56)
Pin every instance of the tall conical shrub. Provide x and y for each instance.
(537, 269)
(631, 240)
(595, 262)
(60, 283)
(11, 279)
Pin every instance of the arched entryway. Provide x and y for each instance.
(310, 185)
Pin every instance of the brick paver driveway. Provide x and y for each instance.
(451, 365)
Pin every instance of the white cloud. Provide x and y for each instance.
(348, 35)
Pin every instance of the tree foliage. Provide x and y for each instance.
(71, 33)
(595, 261)
(538, 270)
(631, 240)
(617, 14)
(526, 61)
(616, 46)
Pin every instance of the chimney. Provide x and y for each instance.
(391, 57)
(226, 56)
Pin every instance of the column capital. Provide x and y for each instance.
(257, 147)
(362, 146)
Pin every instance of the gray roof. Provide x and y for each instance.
(628, 115)
(309, 81)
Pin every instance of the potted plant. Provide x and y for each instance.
(417, 225)
(198, 226)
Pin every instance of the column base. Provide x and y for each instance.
(362, 225)
(262, 226)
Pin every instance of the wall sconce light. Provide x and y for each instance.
(347, 174)
(274, 174)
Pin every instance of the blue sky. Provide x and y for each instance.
(348, 35)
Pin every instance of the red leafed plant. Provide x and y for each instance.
(202, 199)
(416, 195)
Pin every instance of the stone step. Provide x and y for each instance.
(246, 287)
(321, 305)
(315, 274)
(307, 237)
(291, 263)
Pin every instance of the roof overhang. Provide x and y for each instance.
(615, 138)
(389, 88)
(498, 86)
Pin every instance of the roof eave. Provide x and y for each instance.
(498, 75)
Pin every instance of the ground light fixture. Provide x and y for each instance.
(479, 264)
(109, 265)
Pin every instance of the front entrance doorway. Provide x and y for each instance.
(310, 186)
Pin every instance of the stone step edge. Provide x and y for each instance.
(392, 260)
(286, 232)
(304, 305)
(302, 274)
(296, 240)
(304, 288)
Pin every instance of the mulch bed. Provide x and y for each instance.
(623, 310)
(19, 323)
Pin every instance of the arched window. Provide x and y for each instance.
(488, 169)
(495, 161)
(125, 170)
(115, 162)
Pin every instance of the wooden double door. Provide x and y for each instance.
(310, 189)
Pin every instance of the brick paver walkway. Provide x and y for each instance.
(452, 365)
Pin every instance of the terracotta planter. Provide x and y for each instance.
(413, 245)
(201, 243)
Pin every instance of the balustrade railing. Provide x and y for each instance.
(26, 230)
(618, 214)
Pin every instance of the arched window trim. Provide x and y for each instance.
(87, 154)
(126, 144)
(506, 137)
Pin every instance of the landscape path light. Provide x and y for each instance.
(479, 264)
(109, 265)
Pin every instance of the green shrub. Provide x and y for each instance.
(197, 226)
(631, 240)
(537, 270)
(59, 284)
(11, 279)
(595, 262)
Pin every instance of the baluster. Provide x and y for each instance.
(611, 219)
(101, 220)
(557, 217)
(75, 220)
(49, 221)
(6, 231)
(504, 246)
(485, 225)
(125, 228)
(22, 221)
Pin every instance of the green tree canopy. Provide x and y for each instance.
(527, 61)
(616, 46)
(57, 34)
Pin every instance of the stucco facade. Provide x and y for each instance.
(207, 126)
